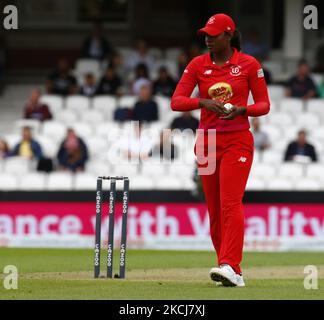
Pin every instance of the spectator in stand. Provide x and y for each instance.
(300, 150)
(4, 149)
(185, 121)
(35, 109)
(145, 109)
(95, 46)
(165, 149)
(261, 139)
(73, 153)
(110, 83)
(27, 147)
(89, 88)
(253, 45)
(141, 78)
(164, 85)
(141, 56)
(61, 81)
(116, 62)
(301, 85)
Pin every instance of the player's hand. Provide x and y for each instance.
(213, 105)
(235, 112)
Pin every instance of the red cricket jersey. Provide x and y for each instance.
(230, 83)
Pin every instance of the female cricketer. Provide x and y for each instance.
(225, 76)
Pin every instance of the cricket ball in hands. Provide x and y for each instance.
(228, 107)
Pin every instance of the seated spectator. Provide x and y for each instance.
(164, 85)
(89, 87)
(61, 81)
(261, 139)
(165, 149)
(27, 147)
(110, 83)
(96, 46)
(141, 78)
(300, 150)
(73, 153)
(301, 85)
(141, 56)
(185, 121)
(145, 109)
(4, 149)
(35, 109)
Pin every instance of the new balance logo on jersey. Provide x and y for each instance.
(207, 72)
(242, 159)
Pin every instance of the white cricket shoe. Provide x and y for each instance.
(227, 276)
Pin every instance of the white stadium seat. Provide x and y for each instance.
(307, 184)
(125, 169)
(106, 104)
(82, 129)
(92, 117)
(167, 183)
(67, 117)
(264, 170)
(54, 102)
(315, 171)
(315, 106)
(173, 53)
(49, 146)
(77, 103)
(317, 134)
(17, 165)
(12, 139)
(54, 129)
(290, 170)
(188, 183)
(8, 182)
(273, 132)
(290, 132)
(99, 167)
(31, 123)
(255, 184)
(108, 129)
(282, 119)
(33, 182)
(127, 101)
(60, 181)
(139, 182)
(280, 184)
(276, 92)
(272, 156)
(85, 181)
(307, 120)
(96, 146)
(292, 105)
(181, 169)
(84, 66)
(153, 169)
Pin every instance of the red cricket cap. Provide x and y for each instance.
(217, 24)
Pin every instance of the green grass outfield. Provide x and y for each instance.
(68, 274)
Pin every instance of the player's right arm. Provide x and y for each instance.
(181, 99)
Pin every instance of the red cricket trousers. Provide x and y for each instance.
(224, 189)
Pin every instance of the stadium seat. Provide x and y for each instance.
(54, 129)
(156, 53)
(280, 184)
(82, 129)
(283, 119)
(315, 171)
(49, 146)
(307, 184)
(275, 67)
(96, 145)
(307, 120)
(54, 102)
(188, 183)
(34, 181)
(99, 167)
(8, 182)
(290, 170)
(127, 101)
(292, 105)
(315, 106)
(77, 103)
(273, 132)
(255, 184)
(171, 65)
(272, 156)
(12, 139)
(85, 181)
(264, 170)
(67, 117)
(139, 182)
(108, 129)
(153, 169)
(290, 133)
(168, 182)
(317, 134)
(106, 104)
(60, 181)
(180, 169)
(92, 117)
(276, 93)
(173, 53)
(126, 169)
(84, 66)
(31, 123)
(17, 165)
